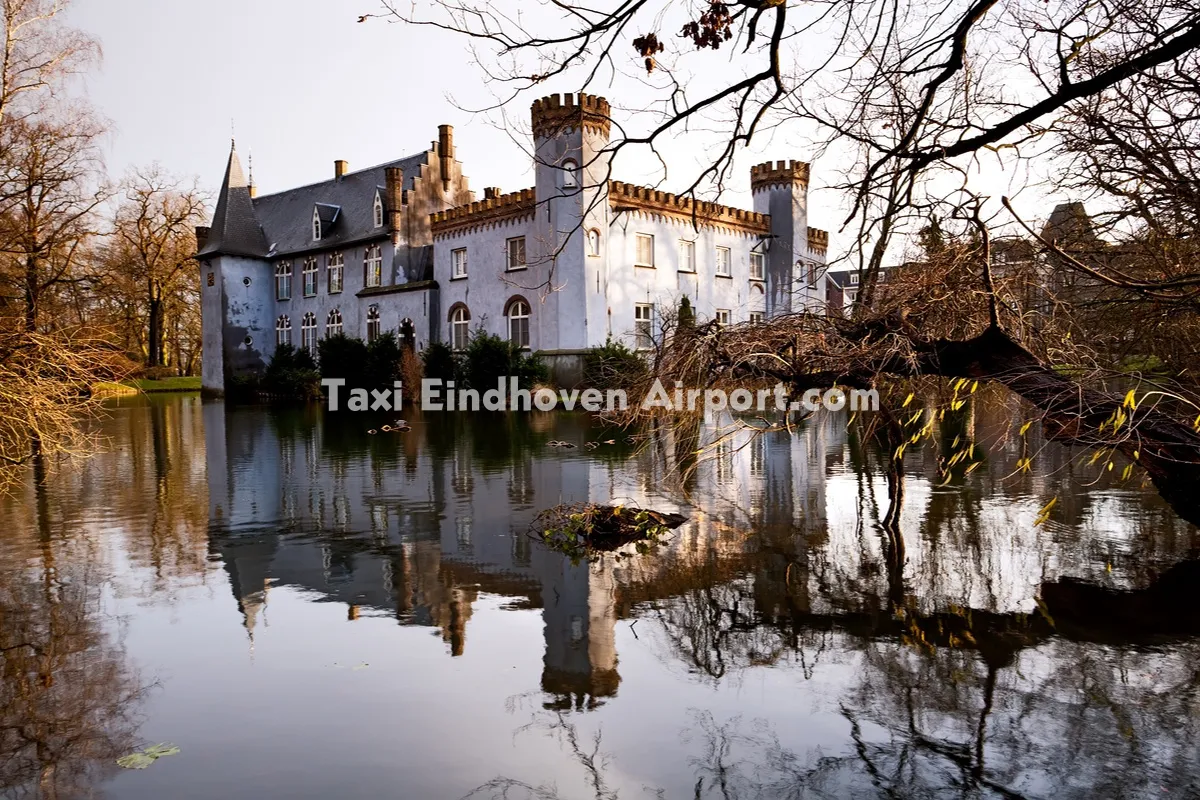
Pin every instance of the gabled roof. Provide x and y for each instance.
(1069, 223)
(287, 216)
(235, 229)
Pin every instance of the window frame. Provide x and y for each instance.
(335, 264)
(643, 340)
(511, 316)
(637, 250)
(377, 211)
(761, 260)
(758, 317)
(316, 225)
(854, 279)
(455, 274)
(308, 333)
(570, 170)
(373, 266)
(728, 254)
(460, 316)
(283, 280)
(333, 320)
(374, 322)
(593, 242)
(283, 330)
(508, 254)
(309, 272)
(688, 246)
(723, 312)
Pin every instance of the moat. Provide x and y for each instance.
(309, 610)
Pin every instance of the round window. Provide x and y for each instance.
(246, 281)
(249, 341)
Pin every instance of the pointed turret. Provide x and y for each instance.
(235, 229)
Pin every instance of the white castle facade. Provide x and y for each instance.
(558, 268)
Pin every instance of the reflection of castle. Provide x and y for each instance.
(419, 527)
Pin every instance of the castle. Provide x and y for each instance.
(557, 268)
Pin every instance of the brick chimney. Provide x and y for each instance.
(491, 192)
(446, 151)
(202, 232)
(340, 168)
(394, 177)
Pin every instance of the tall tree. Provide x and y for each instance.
(153, 242)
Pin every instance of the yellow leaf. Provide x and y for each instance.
(907, 400)
(1025, 427)
(1044, 513)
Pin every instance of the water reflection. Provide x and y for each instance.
(824, 625)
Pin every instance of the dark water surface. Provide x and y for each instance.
(309, 611)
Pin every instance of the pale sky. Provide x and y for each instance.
(303, 83)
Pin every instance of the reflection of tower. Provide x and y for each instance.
(580, 618)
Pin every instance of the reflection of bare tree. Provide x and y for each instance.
(587, 755)
(67, 698)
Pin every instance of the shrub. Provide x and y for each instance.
(412, 371)
(490, 358)
(342, 357)
(291, 373)
(383, 362)
(686, 319)
(612, 366)
(440, 363)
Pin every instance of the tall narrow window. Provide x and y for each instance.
(308, 332)
(593, 241)
(378, 210)
(687, 256)
(516, 253)
(643, 325)
(644, 257)
(723, 317)
(518, 323)
(283, 280)
(374, 323)
(757, 268)
(570, 174)
(723, 262)
(316, 225)
(310, 277)
(333, 324)
(458, 263)
(337, 272)
(460, 328)
(283, 330)
(373, 266)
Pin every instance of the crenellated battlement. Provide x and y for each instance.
(644, 198)
(555, 114)
(818, 239)
(494, 207)
(778, 173)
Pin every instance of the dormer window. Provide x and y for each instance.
(324, 218)
(378, 210)
(316, 225)
(570, 174)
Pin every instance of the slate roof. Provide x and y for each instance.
(1069, 223)
(286, 217)
(235, 230)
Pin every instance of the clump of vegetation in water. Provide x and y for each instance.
(585, 529)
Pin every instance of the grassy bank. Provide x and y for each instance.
(148, 386)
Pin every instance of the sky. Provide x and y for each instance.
(301, 83)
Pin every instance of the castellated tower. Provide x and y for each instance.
(571, 136)
(795, 265)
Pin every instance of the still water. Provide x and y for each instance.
(310, 611)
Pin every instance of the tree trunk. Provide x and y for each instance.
(155, 335)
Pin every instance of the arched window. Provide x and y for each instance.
(593, 242)
(518, 321)
(374, 324)
(283, 330)
(308, 332)
(570, 174)
(460, 327)
(283, 280)
(333, 323)
(316, 225)
(378, 210)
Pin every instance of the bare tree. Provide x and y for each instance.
(151, 249)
